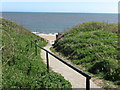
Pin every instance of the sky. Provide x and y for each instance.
(77, 6)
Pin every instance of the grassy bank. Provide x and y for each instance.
(21, 68)
(94, 45)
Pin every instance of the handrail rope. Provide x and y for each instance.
(76, 69)
(88, 77)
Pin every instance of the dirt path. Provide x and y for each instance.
(77, 80)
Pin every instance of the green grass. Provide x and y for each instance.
(94, 45)
(21, 68)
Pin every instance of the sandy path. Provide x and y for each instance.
(77, 80)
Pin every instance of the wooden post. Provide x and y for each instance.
(31, 44)
(47, 62)
(35, 47)
(87, 83)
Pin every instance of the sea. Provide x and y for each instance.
(56, 22)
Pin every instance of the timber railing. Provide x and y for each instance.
(88, 77)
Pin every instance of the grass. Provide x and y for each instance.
(94, 46)
(97, 79)
(21, 68)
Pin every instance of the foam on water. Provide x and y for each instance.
(45, 34)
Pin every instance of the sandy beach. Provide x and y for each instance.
(50, 37)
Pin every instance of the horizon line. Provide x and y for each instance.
(57, 12)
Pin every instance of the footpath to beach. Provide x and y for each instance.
(77, 80)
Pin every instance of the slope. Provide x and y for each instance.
(21, 68)
(94, 45)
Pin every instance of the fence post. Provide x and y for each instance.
(87, 83)
(47, 62)
(35, 47)
(31, 44)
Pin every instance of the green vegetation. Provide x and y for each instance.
(21, 68)
(94, 45)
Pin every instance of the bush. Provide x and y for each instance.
(104, 66)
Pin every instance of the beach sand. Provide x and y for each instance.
(49, 38)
